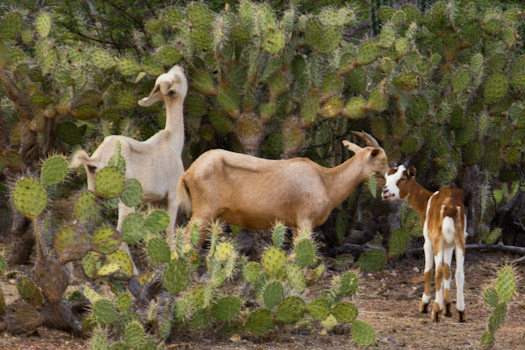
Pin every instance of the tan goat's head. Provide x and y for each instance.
(377, 164)
(398, 181)
(169, 86)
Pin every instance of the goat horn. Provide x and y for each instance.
(369, 140)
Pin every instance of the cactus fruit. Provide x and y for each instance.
(105, 311)
(29, 197)
(133, 334)
(109, 182)
(226, 308)
(105, 240)
(158, 250)
(344, 312)
(132, 228)
(132, 193)
(71, 243)
(273, 260)
(372, 260)
(273, 294)
(176, 276)
(30, 293)
(290, 310)
(54, 170)
(259, 322)
(305, 252)
(362, 333)
(506, 284)
(319, 309)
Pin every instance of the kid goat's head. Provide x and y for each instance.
(398, 180)
(377, 163)
(169, 86)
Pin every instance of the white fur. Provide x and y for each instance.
(447, 227)
(460, 279)
(390, 190)
(156, 163)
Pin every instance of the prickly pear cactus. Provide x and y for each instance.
(54, 170)
(29, 197)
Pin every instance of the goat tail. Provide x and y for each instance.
(183, 196)
(78, 159)
(448, 226)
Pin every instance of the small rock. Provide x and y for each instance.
(394, 273)
(415, 269)
(235, 338)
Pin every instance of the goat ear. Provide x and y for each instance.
(374, 152)
(153, 97)
(351, 146)
(411, 171)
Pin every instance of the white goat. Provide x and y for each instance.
(444, 224)
(255, 193)
(156, 162)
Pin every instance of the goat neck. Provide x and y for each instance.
(418, 196)
(343, 179)
(175, 121)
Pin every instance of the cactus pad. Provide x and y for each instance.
(132, 193)
(226, 308)
(319, 309)
(11, 25)
(368, 52)
(43, 24)
(305, 252)
(133, 334)
(363, 333)
(344, 312)
(347, 284)
(158, 250)
(506, 284)
(157, 221)
(278, 235)
(176, 276)
(132, 228)
(123, 260)
(53, 171)
(29, 292)
(290, 310)
(259, 322)
(91, 263)
(273, 41)
(223, 251)
(253, 270)
(109, 182)
(29, 197)
(490, 296)
(496, 88)
(105, 311)
(355, 108)
(71, 243)
(372, 260)
(105, 240)
(273, 260)
(399, 241)
(102, 59)
(86, 207)
(497, 317)
(273, 294)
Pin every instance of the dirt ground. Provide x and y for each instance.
(387, 300)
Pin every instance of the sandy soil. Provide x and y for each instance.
(387, 300)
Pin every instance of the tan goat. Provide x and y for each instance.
(255, 193)
(444, 224)
(156, 162)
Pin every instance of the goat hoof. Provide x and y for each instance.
(435, 317)
(423, 308)
(448, 308)
(461, 316)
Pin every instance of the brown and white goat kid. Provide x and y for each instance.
(255, 193)
(444, 224)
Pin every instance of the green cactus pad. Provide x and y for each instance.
(176, 276)
(220, 121)
(226, 308)
(496, 88)
(332, 107)
(124, 261)
(99, 340)
(71, 243)
(273, 41)
(107, 270)
(11, 25)
(86, 207)
(126, 100)
(368, 52)
(398, 242)
(124, 302)
(158, 250)
(490, 296)
(168, 56)
(290, 310)
(279, 235)
(132, 228)
(133, 334)
(347, 284)
(407, 80)
(377, 101)
(273, 260)
(259, 322)
(344, 312)
(309, 108)
(29, 197)
(497, 317)
(355, 108)
(319, 309)
(152, 66)
(102, 59)
(253, 270)
(69, 133)
(322, 38)
(54, 170)
(372, 260)
(461, 80)
(506, 284)
(387, 36)
(157, 221)
(105, 240)
(29, 292)
(105, 311)
(132, 193)
(43, 24)
(203, 82)
(91, 263)
(363, 333)
(109, 182)
(173, 17)
(228, 99)
(273, 294)
(223, 251)
(305, 252)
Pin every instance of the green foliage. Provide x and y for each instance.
(29, 197)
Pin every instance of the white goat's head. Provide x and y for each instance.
(377, 163)
(168, 87)
(398, 181)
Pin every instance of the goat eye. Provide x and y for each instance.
(171, 93)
